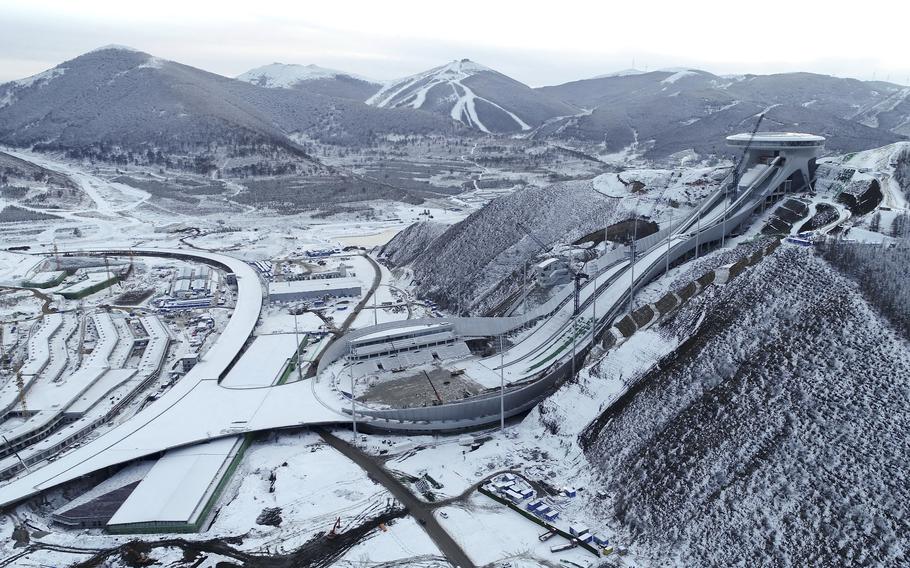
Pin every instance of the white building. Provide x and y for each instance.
(301, 290)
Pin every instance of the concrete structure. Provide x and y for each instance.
(384, 343)
(315, 289)
(551, 272)
(786, 148)
(94, 282)
(178, 492)
(47, 279)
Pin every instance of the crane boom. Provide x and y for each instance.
(577, 277)
(737, 174)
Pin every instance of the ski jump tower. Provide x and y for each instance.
(792, 152)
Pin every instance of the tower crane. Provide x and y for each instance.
(577, 277)
(737, 174)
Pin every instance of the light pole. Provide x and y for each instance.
(524, 308)
(297, 339)
(574, 337)
(723, 230)
(375, 313)
(502, 385)
(350, 367)
(669, 233)
(632, 268)
(353, 407)
(594, 297)
(6, 443)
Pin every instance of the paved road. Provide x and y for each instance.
(338, 332)
(377, 277)
(417, 508)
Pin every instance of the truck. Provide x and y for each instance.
(565, 546)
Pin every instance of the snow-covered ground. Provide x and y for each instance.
(311, 483)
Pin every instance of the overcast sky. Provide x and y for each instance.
(539, 43)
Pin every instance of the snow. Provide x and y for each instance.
(111, 380)
(860, 235)
(610, 185)
(115, 46)
(679, 75)
(733, 416)
(882, 160)
(313, 485)
(261, 364)
(46, 277)
(42, 77)
(397, 332)
(621, 73)
(136, 437)
(452, 74)
(130, 474)
(14, 267)
(490, 532)
(404, 544)
(58, 396)
(153, 63)
(287, 75)
(328, 285)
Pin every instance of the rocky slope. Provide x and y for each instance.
(477, 261)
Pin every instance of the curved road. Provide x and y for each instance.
(417, 508)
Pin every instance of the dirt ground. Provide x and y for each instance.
(419, 389)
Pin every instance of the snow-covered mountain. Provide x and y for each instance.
(671, 110)
(474, 95)
(312, 78)
(772, 436)
(120, 104)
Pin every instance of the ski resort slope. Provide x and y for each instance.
(474, 95)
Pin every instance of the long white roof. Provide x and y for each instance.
(313, 285)
(399, 331)
(176, 487)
